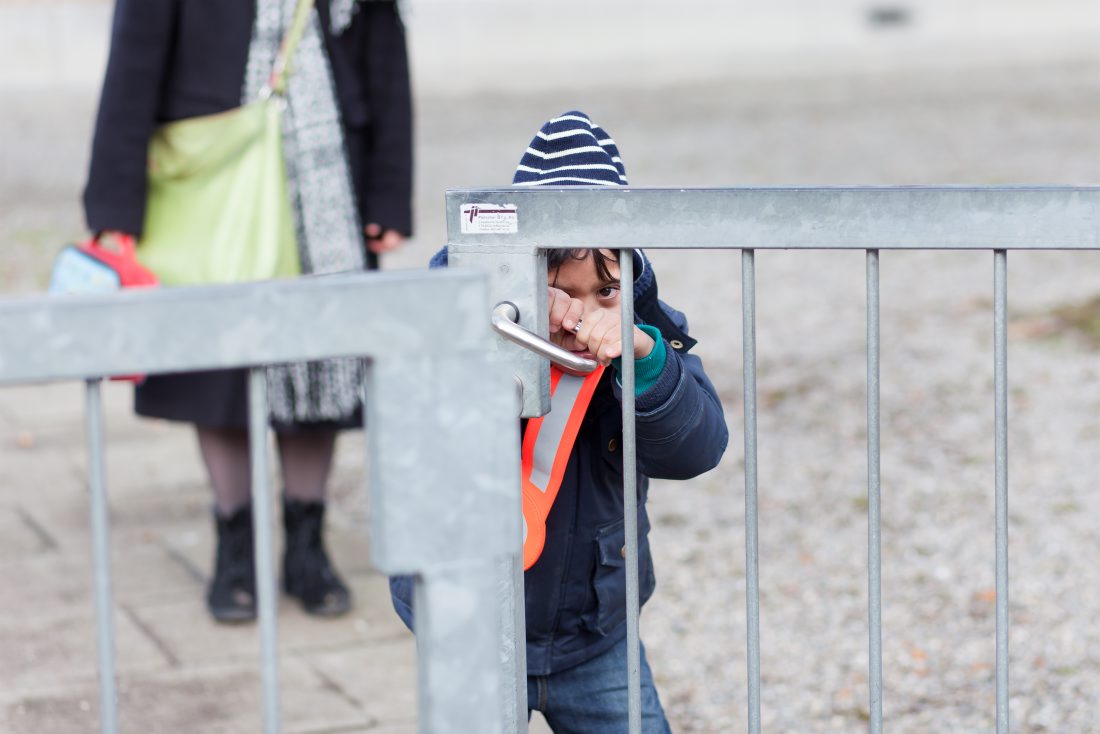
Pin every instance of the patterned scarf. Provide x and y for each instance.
(330, 235)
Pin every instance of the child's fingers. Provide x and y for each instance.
(643, 344)
(573, 315)
(612, 346)
(609, 350)
(560, 306)
(590, 323)
(605, 340)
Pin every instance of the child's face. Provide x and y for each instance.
(580, 280)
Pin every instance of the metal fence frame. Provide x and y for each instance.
(434, 373)
(996, 218)
(428, 377)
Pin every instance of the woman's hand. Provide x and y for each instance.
(110, 239)
(379, 240)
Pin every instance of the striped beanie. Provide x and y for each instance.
(571, 150)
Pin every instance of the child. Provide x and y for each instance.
(575, 591)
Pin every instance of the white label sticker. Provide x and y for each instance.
(489, 219)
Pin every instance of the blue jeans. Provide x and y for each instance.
(592, 697)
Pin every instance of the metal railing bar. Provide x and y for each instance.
(793, 217)
(101, 555)
(513, 641)
(263, 547)
(630, 497)
(48, 338)
(1000, 348)
(874, 515)
(752, 545)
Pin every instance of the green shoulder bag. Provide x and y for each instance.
(217, 208)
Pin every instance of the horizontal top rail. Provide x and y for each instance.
(147, 331)
(785, 217)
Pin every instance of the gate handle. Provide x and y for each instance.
(505, 315)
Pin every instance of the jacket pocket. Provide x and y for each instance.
(609, 580)
(609, 577)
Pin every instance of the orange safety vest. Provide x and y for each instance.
(547, 443)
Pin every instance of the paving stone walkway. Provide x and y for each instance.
(177, 670)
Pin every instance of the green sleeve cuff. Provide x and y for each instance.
(648, 368)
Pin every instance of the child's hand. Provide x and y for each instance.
(601, 335)
(565, 311)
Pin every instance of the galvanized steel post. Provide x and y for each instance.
(513, 639)
(1000, 359)
(101, 555)
(752, 542)
(445, 507)
(630, 496)
(874, 512)
(263, 548)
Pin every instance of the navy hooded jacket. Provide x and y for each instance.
(576, 592)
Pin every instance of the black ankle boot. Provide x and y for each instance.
(232, 593)
(307, 572)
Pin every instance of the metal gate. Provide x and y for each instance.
(435, 377)
(438, 408)
(506, 231)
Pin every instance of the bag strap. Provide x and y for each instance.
(281, 71)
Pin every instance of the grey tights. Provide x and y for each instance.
(304, 458)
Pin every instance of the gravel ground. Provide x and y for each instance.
(1033, 124)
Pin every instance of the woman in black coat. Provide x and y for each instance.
(348, 144)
